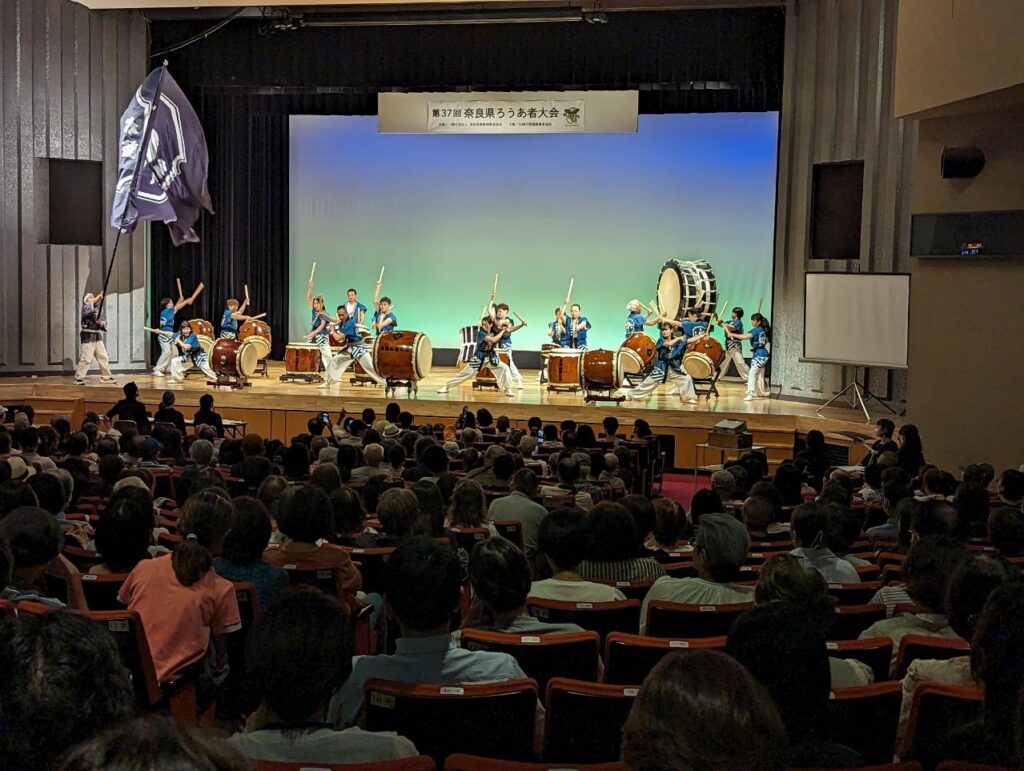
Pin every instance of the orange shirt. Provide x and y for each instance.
(303, 557)
(179, 619)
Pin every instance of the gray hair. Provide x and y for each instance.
(373, 454)
(527, 446)
(201, 452)
(67, 483)
(328, 455)
(725, 543)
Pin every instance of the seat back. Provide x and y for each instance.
(460, 762)
(468, 537)
(629, 658)
(914, 646)
(584, 721)
(936, 712)
(865, 719)
(125, 626)
(233, 695)
(323, 579)
(444, 719)
(418, 763)
(854, 594)
(573, 655)
(876, 652)
(371, 565)
(510, 530)
(683, 621)
(600, 617)
(101, 591)
(851, 620)
(633, 590)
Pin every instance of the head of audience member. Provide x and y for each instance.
(348, 516)
(971, 585)
(1006, 530)
(429, 519)
(724, 484)
(585, 437)
(934, 517)
(467, 506)
(842, 528)
(668, 524)
(201, 452)
(1011, 487)
(550, 433)
(15, 494)
(971, 503)
(51, 491)
(33, 538)
(524, 481)
(270, 490)
(614, 535)
(641, 510)
(611, 427)
(396, 510)
(927, 570)
(504, 468)
(784, 578)
(296, 462)
(807, 526)
(758, 513)
(568, 473)
(61, 682)
(500, 577)
(422, 445)
(740, 477)
(769, 492)
(422, 586)
(396, 459)
(124, 530)
(720, 548)
(206, 402)
(305, 517)
(834, 491)
(255, 469)
(641, 429)
(703, 710)
(250, 532)
(204, 523)
(110, 469)
(873, 477)
(767, 640)
(326, 477)
(705, 502)
(564, 538)
(909, 438)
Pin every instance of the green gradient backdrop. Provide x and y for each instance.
(444, 213)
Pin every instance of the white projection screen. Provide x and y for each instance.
(857, 318)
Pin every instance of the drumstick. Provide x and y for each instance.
(158, 331)
(657, 307)
(246, 292)
(258, 316)
(519, 317)
(195, 294)
(180, 293)
(312, 271)
(380, 278)
(568, 295)
(494, 289)
(759, 303)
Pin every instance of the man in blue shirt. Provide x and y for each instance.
(557, 329)
(192, 355)
(500, 314)
(487, 339)
(233, 313)
(577, 327)
(422, 586)
(355, 309)
(355, 350)
(168, 308)
(636, 321)
(733, 347)
(667, 369)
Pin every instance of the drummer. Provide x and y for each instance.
(667, 369)
(384, 319)
(557, 329)
(576, 328)
(487, 339)
(499, 313)
(168, 308)
(355, 309)
(692, 326)
(192, 354)
(233, 313)
(734, 347)
(318, 333)
(635, 321)
(760, 335)
(355, 349)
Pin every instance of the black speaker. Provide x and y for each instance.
(837, 192)
(961, 162)
(75, 215)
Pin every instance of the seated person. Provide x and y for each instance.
(124, 532)
(242, 557)
(467, 507)
(299, 653)
(503, 469)
(614, 552)
(397, 508)
(206, 416)
(500, 577)
(663, 540)
(842, 529)
(562, 538)
(484, 475)
(758, 515)
(1006, 530)
(808, 528)
(928, 568)
(1011, 488)
(33, 540)
(130, 408)
(373, 459)
(720, 550)
(422, 587)
(568, 479)
(520, 507)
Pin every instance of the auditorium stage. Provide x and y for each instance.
(277, 409)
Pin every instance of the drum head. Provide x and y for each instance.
(206, 343)
(627, 362)
(669, 292)
(698, 365)
(684, 284)
(261, 344)
(248, 356)
(423, 356)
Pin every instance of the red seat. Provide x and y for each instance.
(101, 591)
(865, 719)
(460, 762)
(573, 655)
(371, 565)
(584, 721)
(852, 620)
(681, 569)
(248, 611)
(628, 658)
(876, 652)
(867, 572)
(684, 621)
(957, 765)
(632, 590)
(600, 617)
(443, 719)
(7, 609)
(914, 646)
(324, 579)
(511, 530)
(854, 594)
(936, 712)
(418, 763)
(468, 537)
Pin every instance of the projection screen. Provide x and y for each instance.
(857, 319)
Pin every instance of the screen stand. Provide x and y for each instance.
(855, 394)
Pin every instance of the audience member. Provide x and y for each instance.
(242, 555)
(15, 494)
(467, 507)
(519, 505)
(373, 458)
(808, 526)
(568, 479)
(124, 532)
(704, 502)
(1006, 531)
(663, 540)
(430, 516)
(130, 408)
(206, 416)
(723, 484)
(28, 442)
(564, 539)
(910, 455)
(1011, 488)
(614, 553)
(33, 539)
(166, 413)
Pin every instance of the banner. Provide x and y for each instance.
(508, 112)
(532, 116)
(168, 181)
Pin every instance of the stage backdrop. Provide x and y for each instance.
(445, 213)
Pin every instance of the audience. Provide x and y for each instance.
(564, 539)
(663, 540)
(242, 556)
(33, 540)
(206, 416)
(808, 526)
(614, 548)
(467, 507)
(124, 532)
(519, 505)
(166, 413)
(130, 408)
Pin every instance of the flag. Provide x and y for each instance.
(168, 183)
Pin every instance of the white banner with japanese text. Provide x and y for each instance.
(508, 112)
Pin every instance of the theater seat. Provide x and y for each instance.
(914, 646)
(496, 719)
(852, 620)
(248, 611)
(632, 590)
(854, 594)
(584, 721)
(684, 621)
(876, 652)
(510, 530)
(600, 617)
(468, 537)
(573, 655)
(371, 565)
(324, 579)
(460, 762)
(865, 719)
(936, 711)
(101, 591)
(418, 763)
(629, 658)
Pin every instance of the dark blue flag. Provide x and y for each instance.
(168, 182)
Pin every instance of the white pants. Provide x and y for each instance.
(326, 354)
(166, 354)
(514, 374)
(755, 378)
(502, 374)
(680, 384)
(97, 351)
(182, 364)
(735, 355)
(340, 363)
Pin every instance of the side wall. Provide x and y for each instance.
(837, 105)
(66, 74)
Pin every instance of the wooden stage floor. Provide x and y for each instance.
(279, 409)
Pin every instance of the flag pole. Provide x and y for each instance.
(135, 184)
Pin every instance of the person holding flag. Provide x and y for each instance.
(93, 349)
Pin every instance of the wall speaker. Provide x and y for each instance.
(962, 162)
(837, 194)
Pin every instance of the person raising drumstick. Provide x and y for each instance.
(354, 350)
(233, 313)
(667, 369)
(487, 338)
(760, 335)
(318, 334)
(733, 347)
(384, 318)
(192, 354)
(168, 309)
(635, 321)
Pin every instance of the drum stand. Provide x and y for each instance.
(711, 383)
(227, 381)
(489, 382)
(261, 368)
(306, 377)
(391, 384)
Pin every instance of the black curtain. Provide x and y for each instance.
(244, 84)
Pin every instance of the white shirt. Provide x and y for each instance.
(518, 506)
(834, 569)
(693, 591)
(324, 745)
(926, 624)
(574, 591)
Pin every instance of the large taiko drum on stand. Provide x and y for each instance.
(402, 355)
(302, 361)
(235, 358)
(258, 332)
(203, 330)
(563, 369)
(643, 346)
(484, 377)
(685, 284)
(603, 370)
(703, 357)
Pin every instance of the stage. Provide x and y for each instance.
(277, 409)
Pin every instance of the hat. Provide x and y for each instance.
(390, 431)
(723, 478)
(132, 481)
(19, 468)
(149, 444)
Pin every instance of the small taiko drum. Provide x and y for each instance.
(257, 331)
(302, 359)
(235, 358)
(202, 328)
(484, 375)
(703, 357)
(606, 370)
(402, 355)
(644, 347)
(564, 367)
